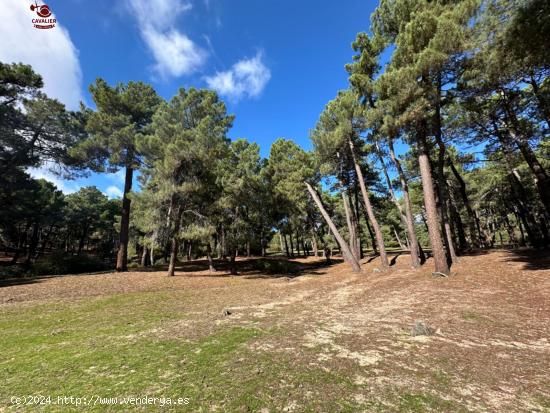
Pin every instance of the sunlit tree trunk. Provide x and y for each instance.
(370, 211)
(346, 252)
(417, 256)
(432, 218)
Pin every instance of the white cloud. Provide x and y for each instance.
(159, 13)
(50, 51)
(174, 52)
(113, 192)
(67, 187)
(247, 77)
(117, 177)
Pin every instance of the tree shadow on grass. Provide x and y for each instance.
(257, 267)
(7, 282)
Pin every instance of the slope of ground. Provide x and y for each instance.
(322, 340)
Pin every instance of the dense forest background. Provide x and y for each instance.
(466, 91)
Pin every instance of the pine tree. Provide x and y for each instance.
(123, 115)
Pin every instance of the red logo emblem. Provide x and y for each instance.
(43, 12)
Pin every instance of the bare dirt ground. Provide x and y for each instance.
(490, 352)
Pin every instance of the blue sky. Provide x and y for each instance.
(276, 64)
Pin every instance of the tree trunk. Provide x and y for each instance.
(286, 246)
(122, 255)
(417, 255)
(510, 229)
(474, 236)
(401, 245)
(291, 243)
(189, 250)
(209, 257)
(82, 239)
(351, 227)
(542, 179)
(458, 226)
(175, 238)
(145, 256)
(346, 252)
(45, 240)
(232, 263)
(33, 243)
(370, 212)
(432, 218)
(263, 242)
(223, 246)
(357, 215)
(442, 192)
(281, 242)
(542, 100)
(520, 195)
(372, 239)
(314, 244)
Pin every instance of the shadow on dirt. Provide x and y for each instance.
(533, 260)
(260, 267)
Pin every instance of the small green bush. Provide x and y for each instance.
(13, 271)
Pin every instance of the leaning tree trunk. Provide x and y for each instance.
(122, 255)
(346, 252)
(432, 218)
(372, 238)
(417, 255)
(520, 196)
(542, 100)
(370, 211)
(542, 179)
(474, 235)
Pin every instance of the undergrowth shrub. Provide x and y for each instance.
(276, 266)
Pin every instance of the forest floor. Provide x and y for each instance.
(322, 340)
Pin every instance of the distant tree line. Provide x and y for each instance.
(442, 150)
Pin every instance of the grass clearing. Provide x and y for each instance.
(326, 341)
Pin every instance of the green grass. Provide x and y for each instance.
(124, 345)
(102, 347)
(110, 347)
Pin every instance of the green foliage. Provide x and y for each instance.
(60, 263)
(122, 117)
